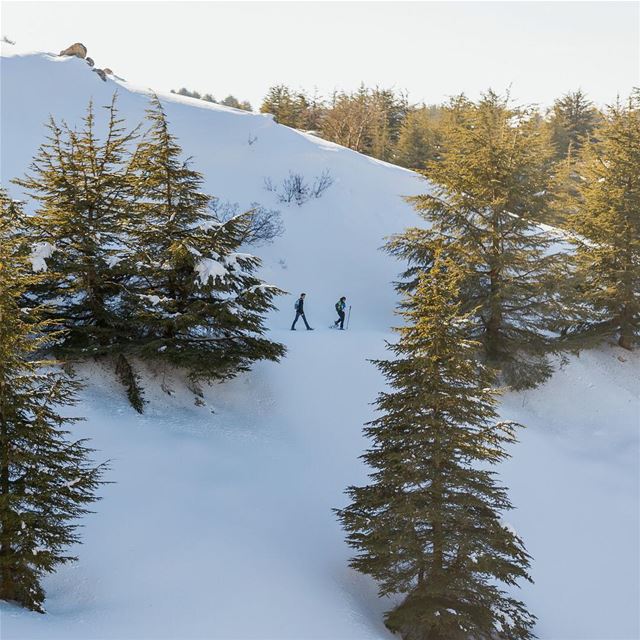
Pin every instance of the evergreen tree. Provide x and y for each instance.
(565, 192)
(490, 186)
(367, 120)
(606, 219)
(183, 91)
(428, 527)
(348, 118)
(572, 124)
(573, 120)
(46, 480)
(232, 101)
(193, 300)
(82, 187)
(315, 112)
(287, 106)
(418, 140)
(389, 112)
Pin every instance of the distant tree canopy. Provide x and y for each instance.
(289, 107)
(382, 123)
(572, 120)
(366, 120)
(419, 138)
(229, 101)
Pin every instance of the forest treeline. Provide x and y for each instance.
(229, 101)
(382, 123)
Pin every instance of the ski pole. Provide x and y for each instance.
(349, 316)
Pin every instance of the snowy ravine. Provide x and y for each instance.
(218, 523)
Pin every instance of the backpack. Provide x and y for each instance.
(296, 306)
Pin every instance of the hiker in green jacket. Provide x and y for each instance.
(340, 306)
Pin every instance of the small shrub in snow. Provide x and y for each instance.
(321, 183)
(294, 188)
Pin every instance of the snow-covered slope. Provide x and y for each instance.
(219, 522)
(331, 244)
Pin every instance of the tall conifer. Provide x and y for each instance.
(429, 527)
(573, 121)
(193, 301)
(46, 479)
(80, 182)
(490, 187)
(606, 219)
(418, 139)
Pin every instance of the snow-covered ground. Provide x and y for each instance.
(218, 523)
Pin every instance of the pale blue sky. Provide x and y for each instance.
(431, 49)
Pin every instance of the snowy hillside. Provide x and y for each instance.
(219, 522)
(326, 239)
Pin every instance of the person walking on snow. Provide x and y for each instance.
(299, 307)
(340, 306)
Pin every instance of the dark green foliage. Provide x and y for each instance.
(490, 186)
(192, 300)
(428, 527)
(135, 263)
(605, 216)
(82, 185)
(572, 124)
(46, 480)
(131, 381)
(232, 101)
(207, 97)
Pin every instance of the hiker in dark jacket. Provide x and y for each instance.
(299, 307)
(340, 306)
